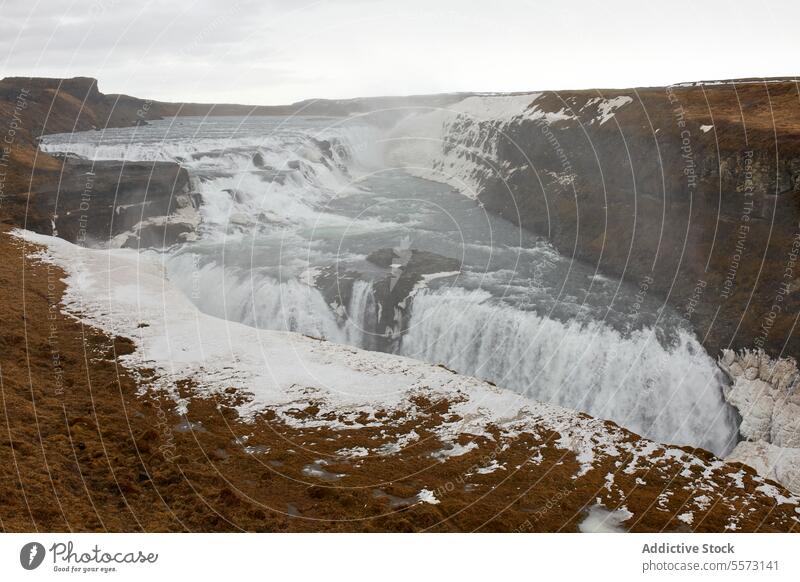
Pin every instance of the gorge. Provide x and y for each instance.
(592, 249)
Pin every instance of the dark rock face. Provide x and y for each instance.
(697, 187)
(65, 105)
(407, 268)
(392, 292)
(128, 204)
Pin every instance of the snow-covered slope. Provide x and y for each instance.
(125, 293)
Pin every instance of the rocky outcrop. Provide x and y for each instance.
(386, 295)
(122, 204)
(765, 392)
(409, 270)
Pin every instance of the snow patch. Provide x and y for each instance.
(490, 468)
(353, 453)
(455, 451)
(686, 517)
(427, 496)
(606, 108)
(601, 520)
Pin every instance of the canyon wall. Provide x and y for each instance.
(689, 192)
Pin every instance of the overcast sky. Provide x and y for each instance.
(279, 51)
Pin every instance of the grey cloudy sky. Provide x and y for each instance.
(274, 51)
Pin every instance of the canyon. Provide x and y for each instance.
(684, 194)
(692, 187)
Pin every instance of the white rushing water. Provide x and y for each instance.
(671, 394)
(293, 209)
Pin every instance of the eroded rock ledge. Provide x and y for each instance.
(116, 203)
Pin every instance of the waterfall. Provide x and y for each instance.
(255, 298)
(670, 394)
(272, 231)
(361, 316)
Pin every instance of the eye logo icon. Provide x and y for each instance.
(31, 555)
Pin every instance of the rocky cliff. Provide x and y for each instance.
(692, 188)
(764, 391)
(128, 204)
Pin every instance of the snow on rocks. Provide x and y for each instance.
(494, 107)
(607, 107)
(459, 145)
(687, 517)
(765, 393)
(427, 496)
(770, 461)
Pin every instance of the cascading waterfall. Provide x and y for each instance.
(671, 394)
(260, 300)
(247, 174)
(283, 203)
(361, 315)
(256, 299)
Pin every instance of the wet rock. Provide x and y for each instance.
(400, 272)
(407, 270)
